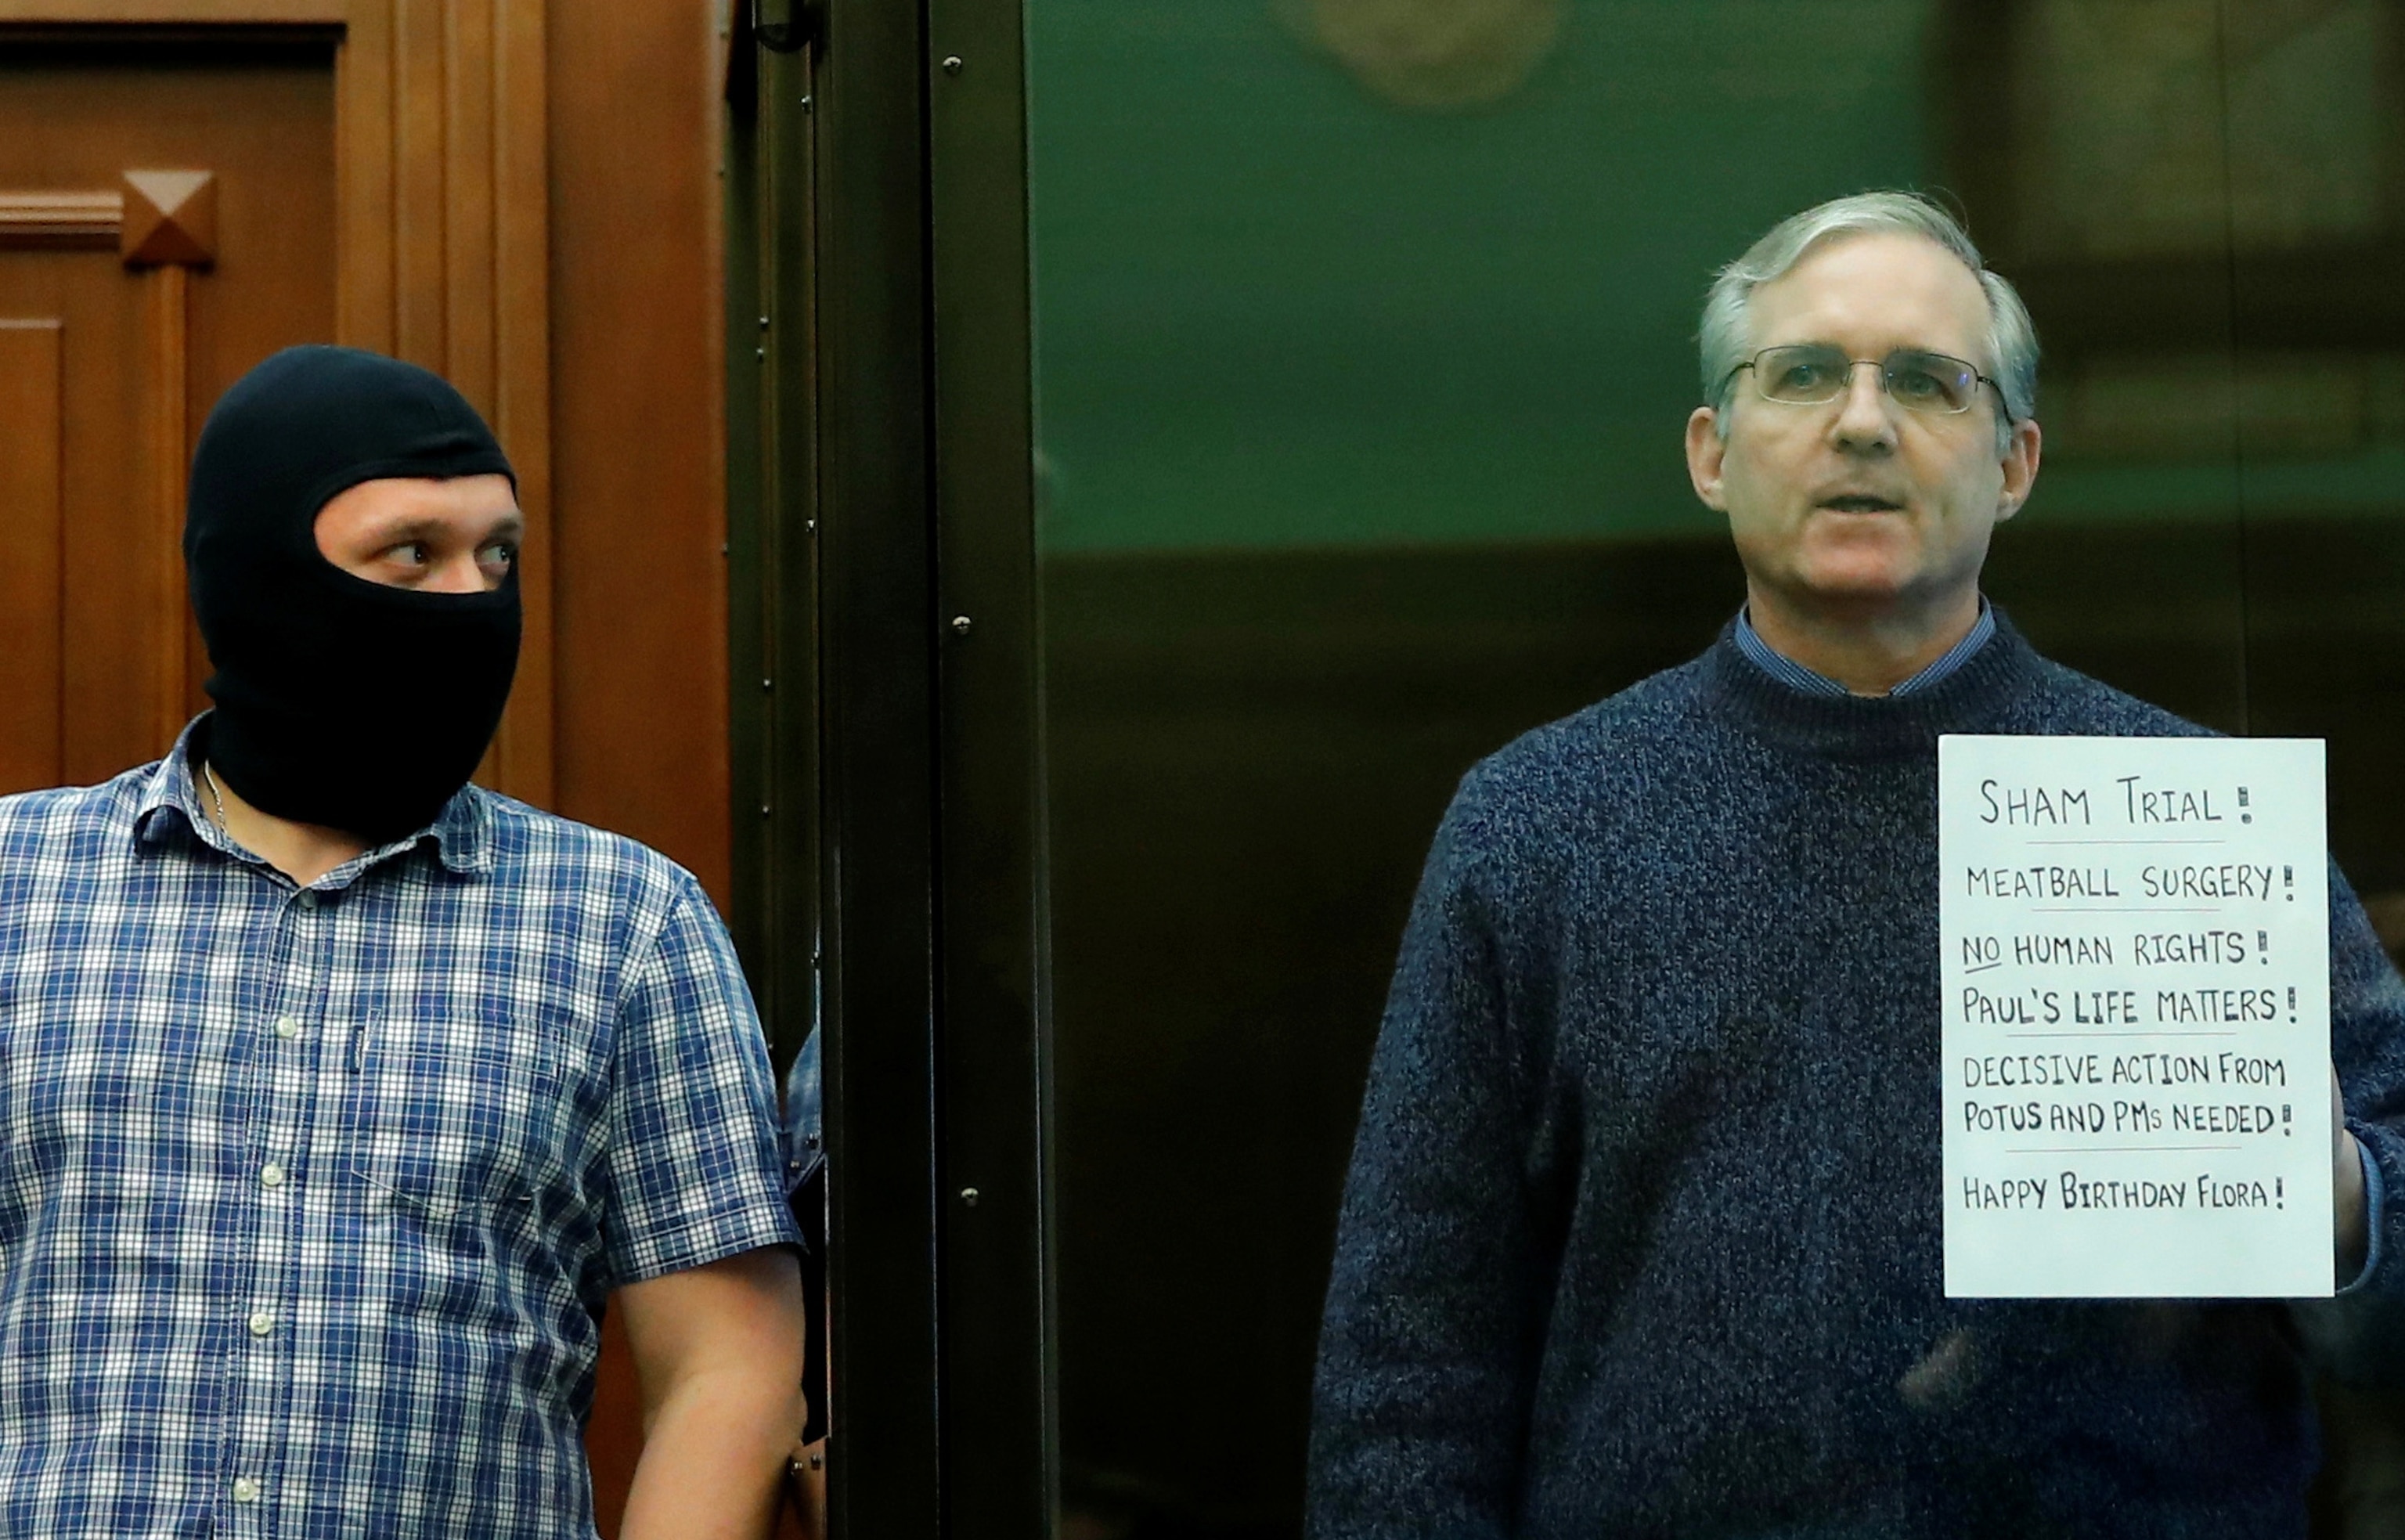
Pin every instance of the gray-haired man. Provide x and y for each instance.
(1642, 1233)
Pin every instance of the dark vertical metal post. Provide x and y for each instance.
(884, 650)
(998, 1422)
(773, 521)
(878, 760)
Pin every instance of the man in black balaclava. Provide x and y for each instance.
(337, 1096)
(304, 469)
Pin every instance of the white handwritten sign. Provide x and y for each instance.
(2136, 949)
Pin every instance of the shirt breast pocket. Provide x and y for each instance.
(454, 1116)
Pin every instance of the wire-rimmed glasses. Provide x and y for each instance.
(1814, 374)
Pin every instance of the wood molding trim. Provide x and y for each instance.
(443, 246)
(170, 219)
(166, 439)
(167, 227)
(62, 219)
(152, 217)
(155, 13)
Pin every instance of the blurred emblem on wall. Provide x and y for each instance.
(1431, 55)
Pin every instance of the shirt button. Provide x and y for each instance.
(244, 1490)
(308, 898)
(271, 1175)
(261, 1322)
(288, 1027)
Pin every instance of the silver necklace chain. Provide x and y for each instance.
(216, 798)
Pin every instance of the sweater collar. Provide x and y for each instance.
(1779, 666)
(1976, 696)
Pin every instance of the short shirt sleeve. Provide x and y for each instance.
(695, 1164)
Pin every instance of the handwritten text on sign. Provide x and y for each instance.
(2134, 942)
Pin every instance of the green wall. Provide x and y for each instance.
(1275, 311)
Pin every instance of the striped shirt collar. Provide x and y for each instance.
(1795, 676)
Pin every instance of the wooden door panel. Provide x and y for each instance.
(30, 535)
(110, 635)
(154, 329)
(103, 633)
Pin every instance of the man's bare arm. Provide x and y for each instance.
(718, 1353)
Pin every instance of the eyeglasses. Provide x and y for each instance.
(1813, 374)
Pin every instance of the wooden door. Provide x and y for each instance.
(167, 217)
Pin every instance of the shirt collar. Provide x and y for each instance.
(461, 833)
(1797, 677)
(170, 788)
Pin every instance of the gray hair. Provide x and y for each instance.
(1725, 339)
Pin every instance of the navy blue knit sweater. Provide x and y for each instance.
(1642, 1234)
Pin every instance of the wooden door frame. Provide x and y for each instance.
(443, 249)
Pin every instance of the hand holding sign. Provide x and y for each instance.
(2135, 938)
(2347, 1197)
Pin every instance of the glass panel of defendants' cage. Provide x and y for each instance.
(1367, 333)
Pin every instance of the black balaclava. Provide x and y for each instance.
(339, 701)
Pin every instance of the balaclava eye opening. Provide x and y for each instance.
(339, 701)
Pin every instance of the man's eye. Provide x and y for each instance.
(1800, 376)
(1916, 385)
(498, 554)
(410, 553)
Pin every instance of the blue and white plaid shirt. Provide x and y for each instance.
(310, 1198)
